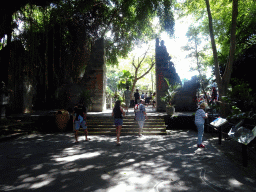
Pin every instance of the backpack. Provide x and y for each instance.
(137, 108)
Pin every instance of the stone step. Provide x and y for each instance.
(127, 119)
(124, 124)
(125, 129)
(102, 125)
(113, 133)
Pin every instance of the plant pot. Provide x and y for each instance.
(62, 119)
(170, 110)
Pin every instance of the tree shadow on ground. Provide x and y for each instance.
(52, 162)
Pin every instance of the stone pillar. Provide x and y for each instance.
(4, 100)
(98, 84)
(27, 93)
(161, 85)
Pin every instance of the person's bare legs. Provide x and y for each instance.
(141, 125)
(86, 134)
(118, 132)
(76, 135)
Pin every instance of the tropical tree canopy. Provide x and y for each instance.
(66, 30)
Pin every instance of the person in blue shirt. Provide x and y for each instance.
(140, 115)
(142, 96)
(80, 120)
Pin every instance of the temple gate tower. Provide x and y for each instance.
(164, 69)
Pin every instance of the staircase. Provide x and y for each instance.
(104, 125)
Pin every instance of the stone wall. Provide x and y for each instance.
(185, 98)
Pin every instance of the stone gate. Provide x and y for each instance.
(164, 69)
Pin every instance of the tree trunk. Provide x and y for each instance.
(136, 78)
(200, 75)
(224, 81)
(133, 86)
(214, 50)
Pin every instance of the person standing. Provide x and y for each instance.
(140, 115)
(200, 117)
(154, 99)
(118, 114)
(80, 120)
(146, 98)
(127, 94)
(142, 96)
(214, 94)
(136, 96)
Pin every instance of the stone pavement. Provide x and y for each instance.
(53, 162)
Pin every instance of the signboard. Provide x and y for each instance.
(242, 134)
(218, 122)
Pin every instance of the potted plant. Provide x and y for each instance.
(61, 119)
(170, 93)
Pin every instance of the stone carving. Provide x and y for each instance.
(185, 98)
(164, 69)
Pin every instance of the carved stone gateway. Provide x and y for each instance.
(164, 69)
(95, 77)
(94, 81)
(185, 98)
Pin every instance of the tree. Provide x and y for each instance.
(125, 80)
(59, 37)
(224, 81)
(196, 52)
(222, 28)
(138, 72)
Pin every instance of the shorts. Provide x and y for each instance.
(141, 124)
(127, 103)
(118, 122)
(78, 124)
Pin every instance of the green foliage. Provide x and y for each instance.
(112, 80)
(125, 80)
(109, 92)
(240, 99)
(196, 49)
(86, 97)
(221, 13)
(172, 90)
(118, 96)
(77, 24)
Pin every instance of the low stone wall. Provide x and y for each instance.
(180, 122)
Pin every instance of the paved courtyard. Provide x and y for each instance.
(53, 162)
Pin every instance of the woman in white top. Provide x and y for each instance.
(200, 117)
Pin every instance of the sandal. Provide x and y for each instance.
(200, 146)
(118, 143)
